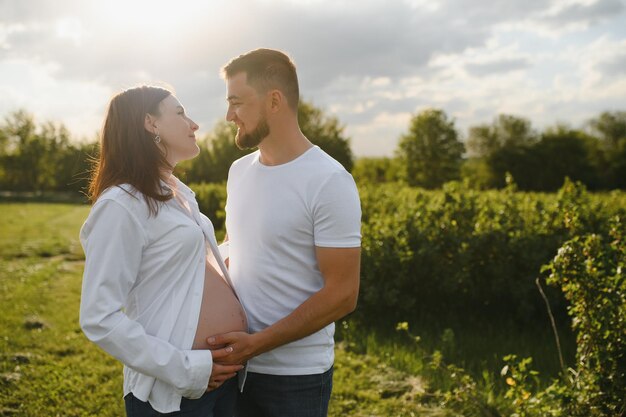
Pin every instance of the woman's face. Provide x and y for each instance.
(177, 131)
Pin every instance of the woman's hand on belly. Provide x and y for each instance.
(220, 372)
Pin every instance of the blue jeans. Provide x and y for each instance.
(216, 403)
(285, 396)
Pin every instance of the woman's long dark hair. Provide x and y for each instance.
(128, 153)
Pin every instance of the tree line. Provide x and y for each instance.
(44, 157)
(41, 157)
(432, 153)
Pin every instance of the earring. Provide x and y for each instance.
(157, 139)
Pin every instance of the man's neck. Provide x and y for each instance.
(283, 146)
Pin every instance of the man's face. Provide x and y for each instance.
(245, 109)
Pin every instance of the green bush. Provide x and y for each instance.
(590, 270)
(436, 253)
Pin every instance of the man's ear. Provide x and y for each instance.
(276, 100)
(149, 123)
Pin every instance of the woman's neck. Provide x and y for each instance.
(168, 177)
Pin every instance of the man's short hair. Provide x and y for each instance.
(267, 69)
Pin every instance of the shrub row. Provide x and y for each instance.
(459, 251)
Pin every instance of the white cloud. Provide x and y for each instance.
(35, 88)
(494, 67)
(379, 135)
(585, 12)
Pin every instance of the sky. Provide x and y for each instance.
(371, 63)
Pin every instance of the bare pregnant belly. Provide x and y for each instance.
(221, 312)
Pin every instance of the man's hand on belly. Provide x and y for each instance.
(340, 268)
(241, 343)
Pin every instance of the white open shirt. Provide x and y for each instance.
(142, 292)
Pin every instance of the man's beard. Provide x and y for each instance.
(252, 139)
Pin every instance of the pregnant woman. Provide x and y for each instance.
(155, 286)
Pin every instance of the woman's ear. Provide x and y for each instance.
(149, 123)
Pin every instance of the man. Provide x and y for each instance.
(293, 226)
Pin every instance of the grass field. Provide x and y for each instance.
(48, 368)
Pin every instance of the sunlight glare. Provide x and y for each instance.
(155, 17)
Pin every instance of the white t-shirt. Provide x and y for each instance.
(275, 216)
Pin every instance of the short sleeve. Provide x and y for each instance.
(337, 213)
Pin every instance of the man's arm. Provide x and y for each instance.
(340, 268)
